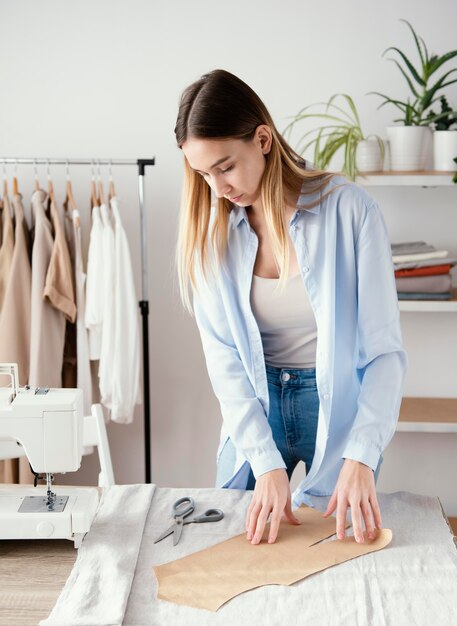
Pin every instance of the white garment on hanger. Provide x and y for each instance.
(125, 366)
(84, 379)
(94, 281)
(106, 288)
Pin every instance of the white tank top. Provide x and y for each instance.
(286, 322)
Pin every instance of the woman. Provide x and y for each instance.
(295, 300)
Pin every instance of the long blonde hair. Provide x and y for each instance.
(221, 106)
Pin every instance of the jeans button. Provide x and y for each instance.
(285, 377)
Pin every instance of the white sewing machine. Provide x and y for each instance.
(48, 424)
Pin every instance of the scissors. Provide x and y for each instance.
(182, 508)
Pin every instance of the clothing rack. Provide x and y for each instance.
(144, 302)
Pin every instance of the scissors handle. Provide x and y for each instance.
(211, 515)
(183, 507)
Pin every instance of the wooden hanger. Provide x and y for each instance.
(93, 188)
(50, 186)
(101, 193)
(37, 182)
(69, 190)
(70, 200)
(112, 190)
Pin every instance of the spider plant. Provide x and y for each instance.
(342, 131)
(424, 93)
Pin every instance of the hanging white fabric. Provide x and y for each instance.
(125, 373)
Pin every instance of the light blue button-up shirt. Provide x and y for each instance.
(344, 256)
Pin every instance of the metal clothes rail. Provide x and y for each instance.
(144, 302)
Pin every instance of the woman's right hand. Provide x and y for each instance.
(271, 495)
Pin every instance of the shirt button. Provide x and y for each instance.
(326, 396)
(285, 377)
(305, 268)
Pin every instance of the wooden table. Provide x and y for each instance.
(32, 574)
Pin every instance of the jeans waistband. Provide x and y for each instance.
(289, 374)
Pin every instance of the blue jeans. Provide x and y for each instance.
(294, 409)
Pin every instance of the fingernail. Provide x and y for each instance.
(340, 536)
(249, 537)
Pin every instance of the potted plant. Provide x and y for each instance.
(444, 137)
(342, 131)
(410, 144)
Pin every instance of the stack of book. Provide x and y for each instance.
(422, 272)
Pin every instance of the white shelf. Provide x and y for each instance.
(426, 427)
(430, 306)
(407, 179)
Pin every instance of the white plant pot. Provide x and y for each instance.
(410, 147)
(445, 150)
(368, 156)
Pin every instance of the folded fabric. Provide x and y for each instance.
(425, 263)
(106, 561)
(424, 284)
(403, 258)
(413, 247)
(209, 578)
(424, 296)
(434, 270)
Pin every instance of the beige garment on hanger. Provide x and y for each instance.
(58, 289)
(15, 312)
(7, 247)
(7, 468)
(70, 352)
(47, 322)
(15, 325)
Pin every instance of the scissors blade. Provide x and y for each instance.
(177, 532)
(166, 533)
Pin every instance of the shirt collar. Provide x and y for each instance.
(238, 213)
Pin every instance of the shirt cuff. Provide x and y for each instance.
(266, 463)
(365, 453)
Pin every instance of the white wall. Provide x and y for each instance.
(88, 79)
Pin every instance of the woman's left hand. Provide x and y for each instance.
(355, 489)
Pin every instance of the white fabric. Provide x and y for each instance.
(286, 322)
(108, 315)
(94, 280)
(412, 581)
(125, 367)
(97, 589)
(421, 256)
(84, 379)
